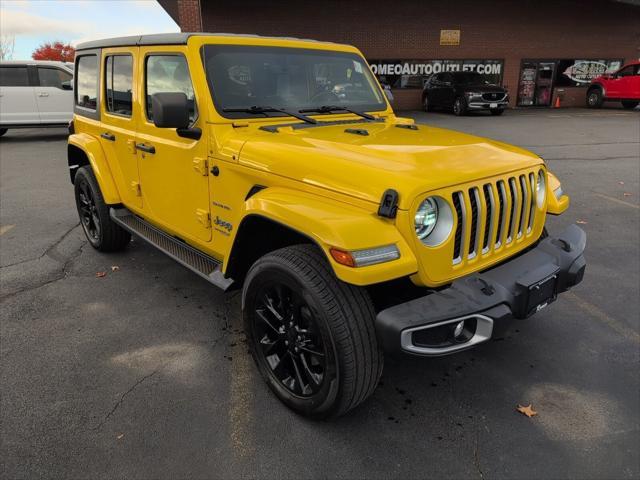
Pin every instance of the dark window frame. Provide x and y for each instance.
(195, 94)
(78, 109)
(104, 80)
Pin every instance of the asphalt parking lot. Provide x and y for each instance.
(144, 374)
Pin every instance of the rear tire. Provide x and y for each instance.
(311, 335)
(3, 131)
(595, 99)
(630, 105)
(497, 111)
(460, 106)
(103, 234)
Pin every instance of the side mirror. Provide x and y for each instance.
(170, 110)
(67, 85)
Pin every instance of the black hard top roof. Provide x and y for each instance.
(165, 39)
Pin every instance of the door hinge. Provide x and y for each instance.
(135, 186)
(201, 165)
(204, 218)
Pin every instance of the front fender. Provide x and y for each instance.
(96, 158)
(335, 224)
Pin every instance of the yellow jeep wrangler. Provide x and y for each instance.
(277, 165)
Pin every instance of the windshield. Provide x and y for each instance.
(469, 78)
(294, 79)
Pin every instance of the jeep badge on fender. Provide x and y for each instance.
(325, 194)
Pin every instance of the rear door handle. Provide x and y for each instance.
(145, 148)
(108, 136)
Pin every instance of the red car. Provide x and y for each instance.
(621, 86)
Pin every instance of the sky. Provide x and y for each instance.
(33, 22)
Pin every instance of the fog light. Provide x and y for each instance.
(459, 329)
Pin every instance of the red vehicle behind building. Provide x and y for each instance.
(621, 86)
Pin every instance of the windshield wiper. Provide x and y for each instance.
(333, 108)
(258, 110)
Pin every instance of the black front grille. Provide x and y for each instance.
(458, 242)
(492, 215)
(474, 220)
(492, 96)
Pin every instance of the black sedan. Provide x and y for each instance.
(463, 92)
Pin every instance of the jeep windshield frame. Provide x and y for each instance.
(288, 79)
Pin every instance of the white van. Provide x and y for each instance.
(35, 94)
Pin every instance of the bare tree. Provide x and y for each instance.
(7, 46)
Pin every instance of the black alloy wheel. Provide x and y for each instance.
(290, 339)
(88, 211)
(311, 335)
(459, 106)
(102, 232)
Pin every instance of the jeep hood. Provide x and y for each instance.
(342, 158)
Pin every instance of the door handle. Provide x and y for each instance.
(108, 136)
(43, 94)
(145, 148)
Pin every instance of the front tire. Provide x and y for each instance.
(630, 105)
(595, 99)
(460, 106)
(103, 234)
(311, 335)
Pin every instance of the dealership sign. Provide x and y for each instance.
(413, 73)
(585, 71)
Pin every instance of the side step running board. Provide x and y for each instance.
(207, 267)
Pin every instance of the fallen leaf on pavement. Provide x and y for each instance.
(627, 194)
(621, 183)
(581, 222)
(115, 268)
(528, 411)
(120, 436)
(101, 274)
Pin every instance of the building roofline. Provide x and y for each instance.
(172, 39)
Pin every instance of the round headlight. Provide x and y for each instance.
(426, 218)
(541, 189)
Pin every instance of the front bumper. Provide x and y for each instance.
(516, 289)
(487, 105)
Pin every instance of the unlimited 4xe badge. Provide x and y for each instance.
(221, 223)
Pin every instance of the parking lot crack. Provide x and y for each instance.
(60, 275)
(49, 251)
(476, 455)
(123, 396)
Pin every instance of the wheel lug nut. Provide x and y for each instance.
(286, 342)
(297, 349)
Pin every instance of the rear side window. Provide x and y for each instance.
(119, 83)
(53, 77)
(87, 82)
(626, 72)
(169, 73)
(14, 77)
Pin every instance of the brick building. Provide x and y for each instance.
(538, 49)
